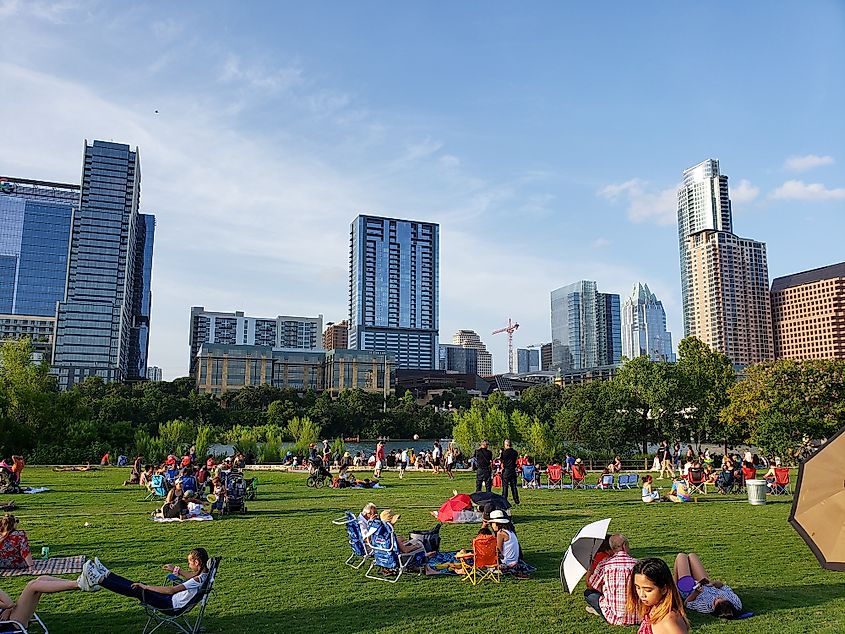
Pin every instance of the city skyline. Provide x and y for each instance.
(257, 154)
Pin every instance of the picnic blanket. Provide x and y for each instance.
(38, 490)
(52, 566)
(202, 517)
(445, 563)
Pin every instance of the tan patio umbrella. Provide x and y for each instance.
(818, 509)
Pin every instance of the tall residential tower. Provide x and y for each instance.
(394, 289)
(724, 278)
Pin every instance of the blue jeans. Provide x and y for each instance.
(592, 597)
(123, 586)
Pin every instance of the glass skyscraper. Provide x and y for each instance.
(586, 327)
(102, 325)
(644, 326)
(394, 289)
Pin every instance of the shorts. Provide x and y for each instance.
(378, 464)
(403, 465)
(436, 462)
(685, 586)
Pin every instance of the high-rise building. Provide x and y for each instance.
(644, 326)
(546, 357)
(808, 314)
(457, 359)
(394, 289)
(724, 278)
(101, 325)
(35, 223)
(586, 327)
(526, 360)
(336, 336)
(234, 329)
(470, 339)
(154, 373)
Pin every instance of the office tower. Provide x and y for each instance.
(233, 328)
(724, 278)
(644, 326)
(808, 314)
(546, 357)
(154, 373)
(142, 296)
(457, 359)
(336, 336)
(394, 289)
(526, 360)
(586, 327)
(35, 223)
(100, 324)
(470, 339)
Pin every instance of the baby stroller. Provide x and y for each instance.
(235, 499)
(8, 481)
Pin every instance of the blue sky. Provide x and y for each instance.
(547, 139)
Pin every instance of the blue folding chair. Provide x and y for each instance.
(356, 541)
(529, 476)
(386, 553)
(606, 482)
(180, 618)
(158, 488)
(627, 481)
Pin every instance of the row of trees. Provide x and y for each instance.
(776, 406)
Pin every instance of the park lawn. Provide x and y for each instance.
(282, 568)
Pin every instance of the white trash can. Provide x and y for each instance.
(756, 491)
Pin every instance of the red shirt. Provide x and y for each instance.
(611, 579)
(380, 453)
(14, 550)
(645, 626)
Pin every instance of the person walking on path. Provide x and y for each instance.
(665, 455)
(509, 457)
(379, 459)
(483, 463)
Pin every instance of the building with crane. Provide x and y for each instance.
(510, 329)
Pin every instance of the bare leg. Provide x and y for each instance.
(698, 572)
(31, 595)
(681, 566)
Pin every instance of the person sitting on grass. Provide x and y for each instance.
(608, 584)
(653, 595)
(649, 495)
(702, 595)
(95, 576)
(14, 545)
(680, 491)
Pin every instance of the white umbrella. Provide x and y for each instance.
(580, 553)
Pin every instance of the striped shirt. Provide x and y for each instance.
(611, 579)
(704, 602)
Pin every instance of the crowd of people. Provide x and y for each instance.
(625, 591)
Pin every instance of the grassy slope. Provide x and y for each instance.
(283, 572)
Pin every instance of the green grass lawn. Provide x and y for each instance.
(283, 571)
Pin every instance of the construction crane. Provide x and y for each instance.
(510, 329)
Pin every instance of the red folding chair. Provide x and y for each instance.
(554, 473)
(780, 486)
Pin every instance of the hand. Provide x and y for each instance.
(136, 586)
(704, 581)
(717, 583)
(167, 567)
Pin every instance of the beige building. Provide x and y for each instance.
(728, 292)
(336, 336)
(470, 339)
(808, 314)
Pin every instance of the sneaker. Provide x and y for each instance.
(592, 610)
(100, 567)
(85, 585)
(92, 574)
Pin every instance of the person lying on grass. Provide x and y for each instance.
(701, 594)
(95, 576)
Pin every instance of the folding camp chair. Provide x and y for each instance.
(179, 619)
(780, 486)
(530, 477)
(605, 481)
(627, 481)
(554, 473)
(485, 561)
(157, 489)
(697, 481)
(748, 473)
(579, 477)
(386, 553)
(356, 541)
(20, 628)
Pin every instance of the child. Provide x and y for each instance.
(653, 595)
(649, 495)
(680, 492)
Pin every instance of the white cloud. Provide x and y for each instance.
(807, 162)
(257, 77)
(645, 204)
(600, 243)
(744, 192)
(799, 190)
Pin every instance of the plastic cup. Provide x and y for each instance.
(45, 552)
